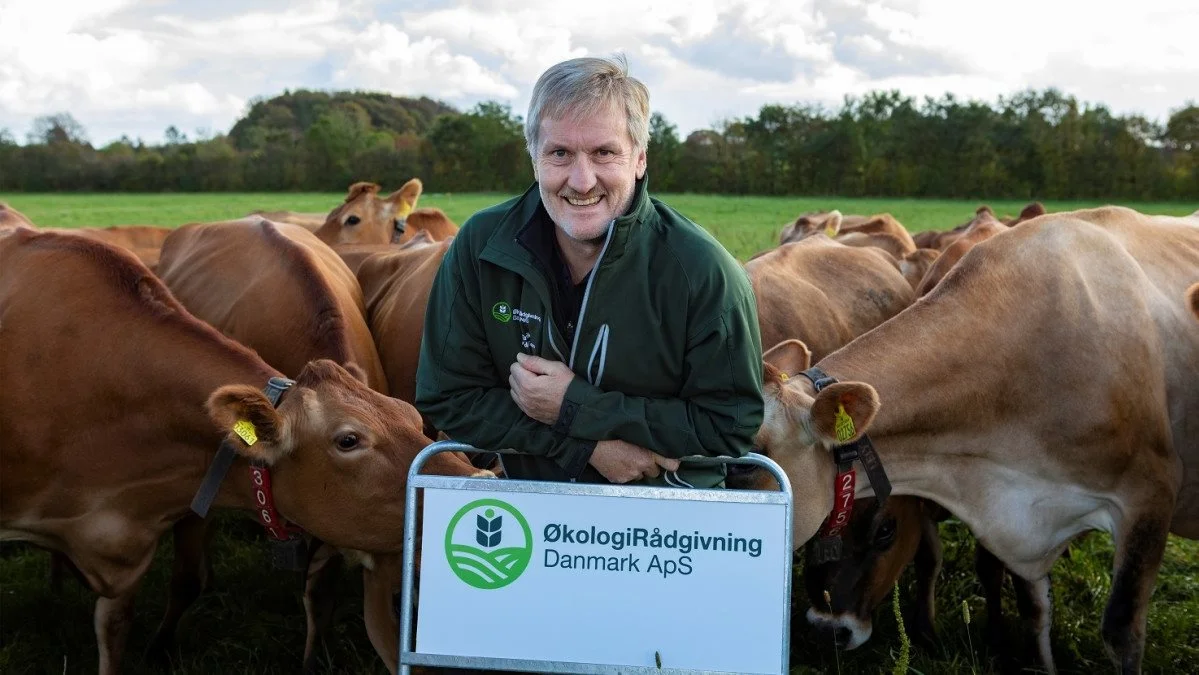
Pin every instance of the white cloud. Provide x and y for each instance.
(122, 66)
(387, 58)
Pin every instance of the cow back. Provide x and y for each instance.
(276, 288)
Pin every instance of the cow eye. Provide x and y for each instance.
(347, 441)
(353, 220)
(885, 534)
(399, 224)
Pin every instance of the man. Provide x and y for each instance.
(585, 324)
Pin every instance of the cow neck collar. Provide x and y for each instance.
(830, 546)
(269, 517)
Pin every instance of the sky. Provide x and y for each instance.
(135, 67)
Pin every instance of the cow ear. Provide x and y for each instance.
(843, 411)
(361, 188)
(406, 197)
(253, 424)
(790, 357)
(832, 225)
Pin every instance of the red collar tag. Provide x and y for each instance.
(843, 492)
(274, 523)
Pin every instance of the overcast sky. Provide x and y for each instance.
(137, 66)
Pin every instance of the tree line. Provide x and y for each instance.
(1032, 145)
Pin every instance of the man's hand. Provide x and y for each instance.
(622, 462)
(539, 386)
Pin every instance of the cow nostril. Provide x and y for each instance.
(842, 636)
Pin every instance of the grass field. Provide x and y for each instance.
(745, 225)
(252, 620)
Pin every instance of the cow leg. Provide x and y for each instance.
(320, 596)
(190, 573)
(1036, 610)
(113, 618)
(928, 568)
(380, 582)
(1138, 557)
(990, 573)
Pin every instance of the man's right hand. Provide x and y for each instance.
(623, 462)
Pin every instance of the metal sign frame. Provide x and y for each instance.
(408, 657)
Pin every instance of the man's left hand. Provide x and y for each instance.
(539, 386)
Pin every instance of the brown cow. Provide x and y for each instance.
(10, 217)
(825, 292)
(834, 224)
(281, 291)
(364, 218)
(274, 287)
(981, 228)
(309, 221)
(432, 221)
(844, 594)
(353, 255)
(816, 222)
(144, 241)
(942, 239)
(1064, 328)
(115, 402)
(396, 288)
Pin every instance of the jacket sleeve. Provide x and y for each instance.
(719, 408)
(458, 385)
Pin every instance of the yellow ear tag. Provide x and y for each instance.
(843, 424)
(245, 429)
(784, 377)
(830, 232)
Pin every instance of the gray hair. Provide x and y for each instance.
(582, 87)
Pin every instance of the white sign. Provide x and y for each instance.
(605, 580)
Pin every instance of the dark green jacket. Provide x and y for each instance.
(667, 352)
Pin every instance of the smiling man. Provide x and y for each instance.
(584, 323)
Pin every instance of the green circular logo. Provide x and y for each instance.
(488, 544)
(502, 312)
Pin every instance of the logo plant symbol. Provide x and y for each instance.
(502, 312)
(478, 555)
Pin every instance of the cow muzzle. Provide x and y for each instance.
(847, 630)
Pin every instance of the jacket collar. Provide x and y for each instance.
(530, 212)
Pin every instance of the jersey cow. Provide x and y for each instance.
(1065, 331)
(824, 291)
(365, 218)
(115, 404)
(278, 289)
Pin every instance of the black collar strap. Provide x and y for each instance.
(211, 484)
(829, 548)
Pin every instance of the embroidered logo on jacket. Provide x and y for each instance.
(502, 312)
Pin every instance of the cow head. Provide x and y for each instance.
(339, 453)
(877, 548)
(366, 218)
(810, 224)
(799, 430)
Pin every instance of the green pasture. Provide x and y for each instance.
(252, 620)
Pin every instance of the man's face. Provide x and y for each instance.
(586, 171)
